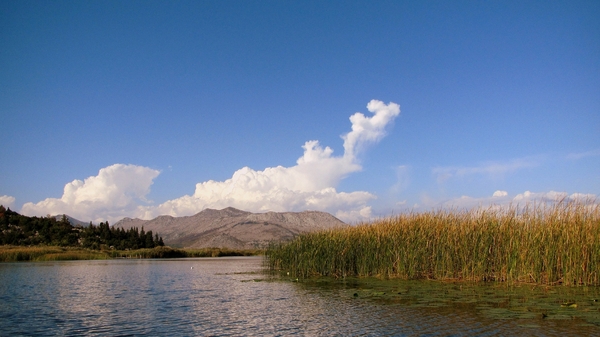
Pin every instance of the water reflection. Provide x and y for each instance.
(427, 307)
(229, 297)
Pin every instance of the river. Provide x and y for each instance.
(231, 297)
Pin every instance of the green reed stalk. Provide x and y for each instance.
(542, 244)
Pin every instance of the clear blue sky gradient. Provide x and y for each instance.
(200, 89)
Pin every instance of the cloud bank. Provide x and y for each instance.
(310, 184)
(503, 199)
(7, 201)
(120, 190)
(117, 190)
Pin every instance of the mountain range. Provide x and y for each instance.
(233, 228)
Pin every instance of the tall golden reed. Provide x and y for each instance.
(543, 244)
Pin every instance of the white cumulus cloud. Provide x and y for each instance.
(7, 201)
(310, 184)
(367, 130)
(119, 190)
(500, 194)
(115, 192)
(554, 196)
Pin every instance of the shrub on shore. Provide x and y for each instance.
(558, 244)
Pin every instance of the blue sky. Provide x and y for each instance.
(114, 108)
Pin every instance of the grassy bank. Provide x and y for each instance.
(168, 252)
(51, 253)
(48, 253)
(557, 244)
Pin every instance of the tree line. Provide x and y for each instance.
(21, 230)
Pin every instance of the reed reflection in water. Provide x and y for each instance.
(213, 297)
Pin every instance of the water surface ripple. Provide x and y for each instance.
(218, 297)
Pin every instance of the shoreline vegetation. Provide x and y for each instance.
(21, 230)
(539, 244)
(55, 253)
(24, 238)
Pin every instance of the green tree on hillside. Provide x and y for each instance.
(16, 229)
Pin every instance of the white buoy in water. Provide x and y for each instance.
(191, 267)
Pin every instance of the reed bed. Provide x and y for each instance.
(54, 253)
(168, 252)
(221, 252)
(542, 244)
(47, 253)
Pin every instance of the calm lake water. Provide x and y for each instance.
(230, 297)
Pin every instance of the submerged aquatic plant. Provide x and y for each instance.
(544, 244)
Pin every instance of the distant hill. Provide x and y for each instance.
(233, 228)
(72, 220)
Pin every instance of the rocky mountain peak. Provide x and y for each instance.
(233, 228)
